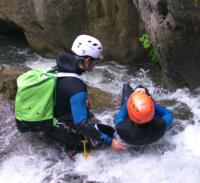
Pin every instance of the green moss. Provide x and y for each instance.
(195, 2)
(147, 44)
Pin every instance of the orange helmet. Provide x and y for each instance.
(140, 108)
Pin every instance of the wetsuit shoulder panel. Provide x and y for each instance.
(78, 107)
(66, 88)
(165, 114)
(121, 115)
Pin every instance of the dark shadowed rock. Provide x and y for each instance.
(174, 27)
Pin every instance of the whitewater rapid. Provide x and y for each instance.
(175, 158)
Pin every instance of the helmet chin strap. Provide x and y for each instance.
(80, 62)
(83, 62)
(79, 59)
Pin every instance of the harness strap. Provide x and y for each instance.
(64, 74)
(86, 153)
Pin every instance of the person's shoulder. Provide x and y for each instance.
(76, 84)
(62, 55)
(161, 108)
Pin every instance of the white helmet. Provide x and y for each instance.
(85, 45)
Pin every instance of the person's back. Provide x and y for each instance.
(141, 134)
(140, 120)
(67, 87)
(71, 92)
(70, 123)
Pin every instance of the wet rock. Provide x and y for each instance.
(8, 75)
(51, 26)
(174, 27)
(101, 100)
(182, 111)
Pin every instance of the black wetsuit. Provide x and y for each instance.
(141, 134)
(71, 108)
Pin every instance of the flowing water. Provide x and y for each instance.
(175, 158)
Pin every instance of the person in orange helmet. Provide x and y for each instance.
(141, 120)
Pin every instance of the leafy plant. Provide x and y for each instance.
(195, 2)
(147, 44)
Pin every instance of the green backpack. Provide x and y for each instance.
(35, 95)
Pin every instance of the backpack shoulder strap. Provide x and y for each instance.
(65, 74)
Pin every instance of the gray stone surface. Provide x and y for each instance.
(174, 27)
(51, 26)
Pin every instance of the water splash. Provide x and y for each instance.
(174, 158)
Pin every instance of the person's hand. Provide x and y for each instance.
(117, 146)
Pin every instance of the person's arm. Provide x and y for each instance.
(80, 118)
(165, 114)
(121, 115)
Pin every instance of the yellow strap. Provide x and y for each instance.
(86, 153)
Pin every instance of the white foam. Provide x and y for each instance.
(178, 164)
(40, 62)
(29, 168)
(173, 159)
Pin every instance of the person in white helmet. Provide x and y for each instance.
(71, 97)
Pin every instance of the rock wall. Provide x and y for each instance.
(174, 26)
(51, 26)
(99, 100)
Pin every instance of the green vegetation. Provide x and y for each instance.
(147, 44)
(195, 2)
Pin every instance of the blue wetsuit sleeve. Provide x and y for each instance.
(121, 115)
(80, 118)
(78, 107)
(165, 114)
